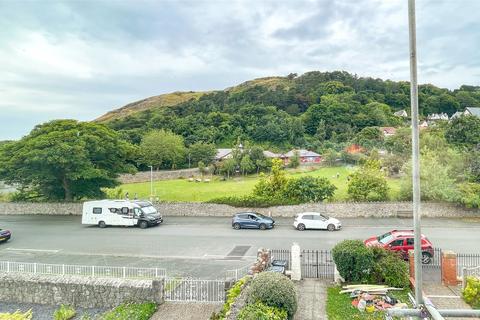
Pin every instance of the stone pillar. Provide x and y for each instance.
(296, 262)
(449, 268)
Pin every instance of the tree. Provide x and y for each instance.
(393, 164)
(66, 160)
(272, 186)
(246, 164)
(294, 160)
(321, 133)
(162, 149)
(309, 189)
(228, 166)
(369, 137)
(330, 157)
(202, 168)
(368, 183)
(464, 131)
(201, 151)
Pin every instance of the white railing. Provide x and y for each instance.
(468, 272)
(79, 270)
(194, 290)
(239, 273)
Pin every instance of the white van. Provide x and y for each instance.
(120, 213)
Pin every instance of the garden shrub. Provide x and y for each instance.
(17, 315)
(471, 293)
(64, 313)
(274, 290)
(354, 260)
(131, 311)
(260, 311)
(252, 201)
(232, 295)
(389, 268)
(309, 189)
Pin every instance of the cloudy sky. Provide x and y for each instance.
(80, 59)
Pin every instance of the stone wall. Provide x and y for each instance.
(144, 176)
(77, 291)
(337, 209)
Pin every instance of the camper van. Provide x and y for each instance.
(120, 213)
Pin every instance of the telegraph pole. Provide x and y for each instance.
(415, 153)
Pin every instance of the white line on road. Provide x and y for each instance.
(32, 250)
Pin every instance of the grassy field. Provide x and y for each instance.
(184, 190)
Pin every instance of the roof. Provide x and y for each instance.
(388, 130)
(222, 153)
(401, 113)
(404, 233)
(302, 153)
(473, 111)
(269, 154)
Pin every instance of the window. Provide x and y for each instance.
(410, 241)
(137, 211)
(308, 217)
(97, 210)
(252, 217)
(396, 243)
(113, 210)
(123, 211)
(243, 216)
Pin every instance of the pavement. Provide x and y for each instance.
(186, 311)
(201, 247)
(445, 297)
(312, 298)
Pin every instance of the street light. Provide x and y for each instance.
(151, 182)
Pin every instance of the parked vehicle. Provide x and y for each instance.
(120, 213)
(315, 220)
(402, 241)
(252, 220)
(5, 235)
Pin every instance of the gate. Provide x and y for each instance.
(194, 290)
(315, 263)
(432, 272)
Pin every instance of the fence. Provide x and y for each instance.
(281, 254)
(92, 271)
(467, 260)
(468, 272)
(194, 290)
(236, 274)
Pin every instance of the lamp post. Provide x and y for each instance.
(151, 182)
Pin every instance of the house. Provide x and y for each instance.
(306, 156)
(401, 113)
(457, 115)
(437, 116)
(388, 131)
(423, 125)
(472, 112)
(223, 154)
(271, 155)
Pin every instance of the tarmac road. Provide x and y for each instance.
(199, 246)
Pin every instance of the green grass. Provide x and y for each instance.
(131, 311)
(182, 190)
(339, 306)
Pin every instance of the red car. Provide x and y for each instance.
(402, 241)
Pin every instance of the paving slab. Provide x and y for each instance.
(312, 298)
(444, 297)
(186, 311)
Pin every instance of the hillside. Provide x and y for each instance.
(284, 112)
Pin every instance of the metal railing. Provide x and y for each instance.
(469, 272)
(81, 270)
(467, 260)
(194, 290)
(239, 273)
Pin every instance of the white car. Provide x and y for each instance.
(315, 220)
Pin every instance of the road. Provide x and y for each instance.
(198, 246)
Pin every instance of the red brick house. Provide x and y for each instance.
(306, 156)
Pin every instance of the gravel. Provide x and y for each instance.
(45, 312)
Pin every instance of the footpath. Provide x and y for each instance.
(185, 311)
(312, 297)
(446, 297)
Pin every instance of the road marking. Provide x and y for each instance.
(32, 250)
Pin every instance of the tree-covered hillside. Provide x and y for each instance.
(284, 112)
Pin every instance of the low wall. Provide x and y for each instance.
(337, 209)
(144, 176)
(77, 291)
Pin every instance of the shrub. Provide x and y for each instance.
(389, 268)
(232, 295)
(252, 201)
(17, 315)
(309, 189)
(260, 311)
(64, 313)
(354, 260)
(131, 311)
(471, 294)
(274, 290)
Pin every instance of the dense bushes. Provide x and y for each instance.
(253, 201)
(17, 315)
(131, 311)
(359, 263)
(274, 290)
(260, 311)
(308, 189)
(64, 313)
(471, 294)
(232, 295)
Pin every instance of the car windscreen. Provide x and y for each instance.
(149, 209)
(385, 238)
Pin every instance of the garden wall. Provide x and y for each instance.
(77, 291)
(144, 176)
(337, 209)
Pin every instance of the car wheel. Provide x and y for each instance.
(143, 224)
(331, 227)
(236, 226)
(262, 226)
(102, 224)
(426, 258)
(301, 227)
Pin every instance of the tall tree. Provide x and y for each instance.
(66, 160)
(201, 151)
(162, 149)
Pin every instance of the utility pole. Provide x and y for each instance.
(151, 183)
(417, 246)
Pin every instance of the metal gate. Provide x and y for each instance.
(315, 263)
(194, 290)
